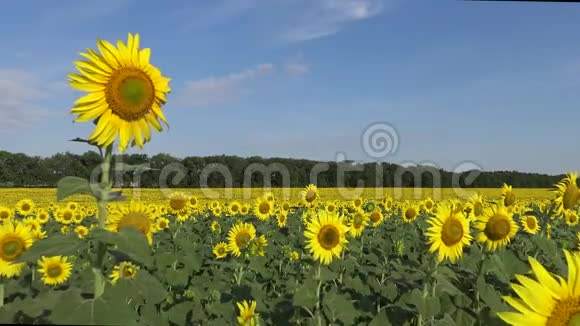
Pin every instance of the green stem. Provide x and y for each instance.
(100, 280)
(318, 303)
(1, 294)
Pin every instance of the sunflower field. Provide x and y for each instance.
(86, 254)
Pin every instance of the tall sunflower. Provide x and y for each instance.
(240, 237)
(496, 227)
(55, 270)
(125, 93)
(567, 194)
(178, 203)
(134, 214)
(546, 300)
(263, 208)
(326, 236)
(448, 234)
(15, 238)
(25, 207)
(530, 224)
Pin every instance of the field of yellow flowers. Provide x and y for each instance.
(314, 258)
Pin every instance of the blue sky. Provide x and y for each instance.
(496, 84)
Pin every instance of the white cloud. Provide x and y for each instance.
(215, 90)
(20, 96)
(327, 17)
(297, 69)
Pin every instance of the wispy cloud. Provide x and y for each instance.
(212, 13)
(297, 69)
(20, 96)
(327, 17)
(216, 90)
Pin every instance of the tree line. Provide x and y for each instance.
(21, 170)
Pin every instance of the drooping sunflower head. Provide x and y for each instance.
(125, 93)
(54, 270)
(530, 224)
(496, 227)
(546, 300)
(263, 208)
(25, 207)
(448, 233)
(326, 236)
(240, 237)
(220, 250)
(248, 315)
(15, 239)
(134, 215)
(508, 195)
(309, 195)
(123, 271)
(567, 194)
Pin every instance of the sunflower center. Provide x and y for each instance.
(26, 207)
(264, 207)
(243, 239)
(54, 271)
(375, 216)
(429, 204)
(498, 227)
(477, 209)
(193, 201)
(12, 247)
(410, 213)
(328, 237)
(130, 93)
(127, 272)
(4, 215)
(452, 232)
(177, 203)
(310, 196)
(531, 223)
(571, 197)
(67, 216)
(162, 224)
(566, 312)
(509, 199)
(136, 220)
(357, 202)
(282, 218)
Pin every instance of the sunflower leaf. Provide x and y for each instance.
(69, 186)
(129, 241)
(55, 245)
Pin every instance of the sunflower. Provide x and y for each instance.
(73, 206)
(248, 315)
(496, 227)
(309, 195)
(125, 91)
(161, 223)
(32, 225)
(376, 217)
(282, 218)
(239, 237)
(546, 300)
(123, 271)
(65, 216)
(193, 202)
(25, 207)
(220, 250)
(358, 223)
(258, 246)
(326, 236)
(571, 218)
(567, 194)
(245, 209)
(530, 224)
(178, 203)
(448, 234)
(55, 270)
(388, 203)
(134, 214)
(285, 207)
(330, 207)
(508, 196)
(476, 204)
(357, 202)
(81, 231)
(234, 207)
(263, 208)
(410, 213)
(42, 216)
(15, 238)
(6, 214)
(64, 229)
(428, 204)
(215, 226)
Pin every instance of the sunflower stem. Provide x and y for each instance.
(318, 303)
(99, 287)
(1, 294)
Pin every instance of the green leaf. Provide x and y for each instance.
(380, 319)
(177, 277)
(305, 295)
(178, 313)
(151, 317)
(149, 287)
(340, 307)
(128, 240)
(490, 296)
(193, 261)
(55, 245)
(69, 186)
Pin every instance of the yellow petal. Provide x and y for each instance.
(91, 68)
(109, 53)
(87, 87)
(535, 300)
(97, 60)
(144, 56)
(517, 319)
(91, 115)
(545, 278)
(89, 98)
